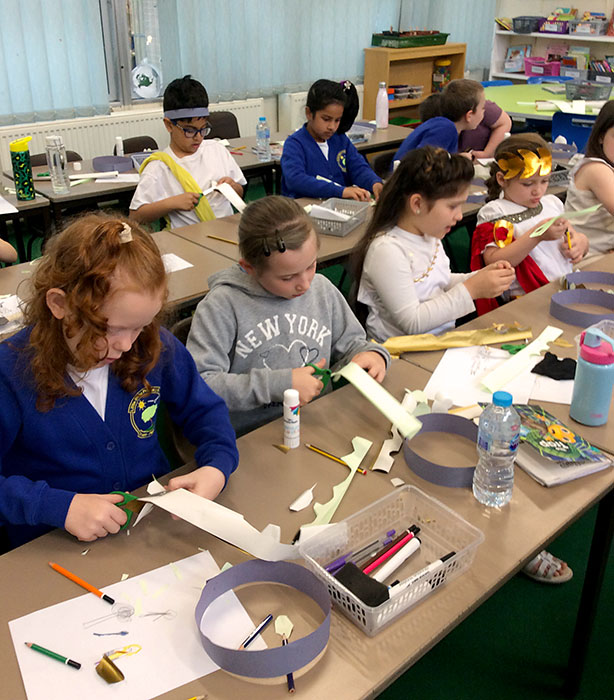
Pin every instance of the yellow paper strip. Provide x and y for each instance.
(452, 339)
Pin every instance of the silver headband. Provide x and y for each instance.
(187, 113)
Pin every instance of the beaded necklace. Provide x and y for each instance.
(429, 268)
(521, 216)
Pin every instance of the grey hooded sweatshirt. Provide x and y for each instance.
(246, 341)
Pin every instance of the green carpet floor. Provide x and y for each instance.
(516, 645)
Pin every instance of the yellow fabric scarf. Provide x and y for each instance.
(184, 178)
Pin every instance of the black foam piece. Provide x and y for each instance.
(370, 591)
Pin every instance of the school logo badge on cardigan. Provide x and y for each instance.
(341, 160)
(143, 409)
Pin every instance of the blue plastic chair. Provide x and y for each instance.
(494, 83)
(575, 128)
(537, 79)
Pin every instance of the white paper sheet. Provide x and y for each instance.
(10, 308)
(6, 207)
(171, 654)
(122, 177)
(460, 371)
(173, 263)
(552, 390)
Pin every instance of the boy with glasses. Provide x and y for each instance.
(172, 181)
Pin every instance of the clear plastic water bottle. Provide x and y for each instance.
(56, 160)
(498, 434)
(263, 140)
(381, 107)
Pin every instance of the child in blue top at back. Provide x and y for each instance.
(319, 160)
(462, 108)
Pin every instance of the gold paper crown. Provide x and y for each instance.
(526, 163)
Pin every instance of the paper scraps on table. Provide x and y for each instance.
(325, 511)
(282, 448)
(6, 207)
(173, 263)
(521, 361)
(396, 482)
(405, 422)
(10, 311)
(565, 215)
(384, 460)
(441, 403)
(497, 333)
(303, 500)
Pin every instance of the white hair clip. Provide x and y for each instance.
(125, 235)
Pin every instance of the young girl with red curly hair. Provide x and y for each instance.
(82, 382)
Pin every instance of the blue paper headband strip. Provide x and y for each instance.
(560, 301)
(187, 113)
(438, 473)
(267, 663)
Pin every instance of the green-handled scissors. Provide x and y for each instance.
(322, 372)
(129, 506)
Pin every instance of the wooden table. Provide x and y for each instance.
(186, 287)
(39, 206)
(354, 665)
(332, 249)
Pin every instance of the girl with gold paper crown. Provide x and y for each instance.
(517, 205)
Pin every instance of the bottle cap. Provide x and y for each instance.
(262, 119)
(382, 84)
(54, 140)
(20, 144)
(291, 397)
(502, 398)
(596, 347)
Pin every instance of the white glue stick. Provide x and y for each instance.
(292, 420)
(390, 566)
(119, 146)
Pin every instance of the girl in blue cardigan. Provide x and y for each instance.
(82, 382)
(319, 160)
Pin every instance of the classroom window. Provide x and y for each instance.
(51, 61)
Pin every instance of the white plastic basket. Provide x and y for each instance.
(357, 211)
(441, 531)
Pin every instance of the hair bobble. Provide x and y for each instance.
(125, 235)
(346, 85)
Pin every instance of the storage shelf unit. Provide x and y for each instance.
(407, 66)
(503, 39)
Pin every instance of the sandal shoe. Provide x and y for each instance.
(544, 566)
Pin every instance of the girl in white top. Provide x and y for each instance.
(592, 182)
(404, 273)
(520, 175)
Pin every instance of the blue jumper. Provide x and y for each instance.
(438, 131)
(302, 160)
(48, 457)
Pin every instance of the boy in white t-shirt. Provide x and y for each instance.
(172, 180)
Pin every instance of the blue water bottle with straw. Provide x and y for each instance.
(592, 389)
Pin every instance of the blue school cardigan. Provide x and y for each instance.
(46, 458)
(438, 131)
(302, 160)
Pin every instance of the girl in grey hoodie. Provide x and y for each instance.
(266, 318)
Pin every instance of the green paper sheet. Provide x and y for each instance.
(565, 215)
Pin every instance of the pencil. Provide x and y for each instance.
(225, 240)
(568, 239)
(53, 655)
(81, 582)
(324, 453)
(289, 676)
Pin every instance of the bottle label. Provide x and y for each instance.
(485, 444)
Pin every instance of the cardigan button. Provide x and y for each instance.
(110, 446)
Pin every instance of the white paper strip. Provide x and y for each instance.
(522, 360)
(384, 460)
(226, 189)
(223, 523)
(405, 423)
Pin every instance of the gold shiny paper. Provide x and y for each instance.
(108, 670)
(526, 164)
(497, 333)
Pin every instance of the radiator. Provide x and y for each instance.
(291, 109)
(95, 136)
